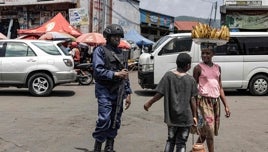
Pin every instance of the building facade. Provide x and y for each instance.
(85, 15)
(26, 14)
(245, 15)
(155, 25)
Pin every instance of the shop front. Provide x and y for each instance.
(248, 15)
(26, 14)
(154, 25)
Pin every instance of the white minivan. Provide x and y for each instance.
(243, 60)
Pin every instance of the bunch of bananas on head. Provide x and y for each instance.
(204, 31)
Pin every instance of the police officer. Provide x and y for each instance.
(108, 74)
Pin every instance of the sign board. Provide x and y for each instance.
(78, 16)
(243, 2)
(28, 2)
(159, 20)
(246, 21)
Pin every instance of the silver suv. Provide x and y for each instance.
(35, 64)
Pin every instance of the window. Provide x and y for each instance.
(230, 48)
(159, 42)
(49, 48)
(63, 49)
(256, 45)
(2, 49)
(14, 49)
(244, 46)
(177, 45)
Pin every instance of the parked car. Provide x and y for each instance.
(35, 64)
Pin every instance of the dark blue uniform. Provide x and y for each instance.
(105, 65)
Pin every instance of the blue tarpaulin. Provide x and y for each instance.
(134, 36)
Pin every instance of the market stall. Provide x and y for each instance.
(57, 24)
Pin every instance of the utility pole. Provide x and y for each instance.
(215, 14)
(214, 7)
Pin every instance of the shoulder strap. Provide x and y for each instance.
(118, 60)
(107, 51)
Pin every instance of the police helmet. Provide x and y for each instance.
(113, 29)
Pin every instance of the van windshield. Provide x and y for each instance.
(159, 42)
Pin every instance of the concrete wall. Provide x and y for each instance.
(126, 13)
(84, 4)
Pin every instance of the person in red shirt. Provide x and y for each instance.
(75, 52)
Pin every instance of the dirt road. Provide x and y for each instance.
(64, 122)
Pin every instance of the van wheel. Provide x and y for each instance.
(258, 85)
(40, 84)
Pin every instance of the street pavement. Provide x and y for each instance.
(65, 121)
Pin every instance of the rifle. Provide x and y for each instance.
(121, 91)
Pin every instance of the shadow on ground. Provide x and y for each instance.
(86, 150)
(82, 149)
(227, 92)
(54, 93)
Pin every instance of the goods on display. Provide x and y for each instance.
(204, 31)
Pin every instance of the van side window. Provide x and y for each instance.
(177, 45)
(230, 48)
(256, 45)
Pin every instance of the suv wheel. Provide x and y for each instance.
(40, 84)
(259, 85)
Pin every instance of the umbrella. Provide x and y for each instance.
(134, 36)
(56, 36)
(91, 38)
(2, 37)
(124, 44)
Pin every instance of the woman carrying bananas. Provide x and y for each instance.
(210, 92)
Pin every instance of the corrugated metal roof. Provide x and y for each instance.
(185, 25)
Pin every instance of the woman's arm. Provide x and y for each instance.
(196, 73)
(223, 98)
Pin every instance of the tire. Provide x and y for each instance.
(258, 85)
(40, 84)
(85, 79)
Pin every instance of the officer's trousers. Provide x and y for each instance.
(106, 114)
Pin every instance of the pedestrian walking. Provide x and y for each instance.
(208, 76)
(111, 87)
(179, 90)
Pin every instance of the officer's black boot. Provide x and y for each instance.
(97, 146)
(169, 147)
(109, 146)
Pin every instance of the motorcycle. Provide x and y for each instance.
(84, 73)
